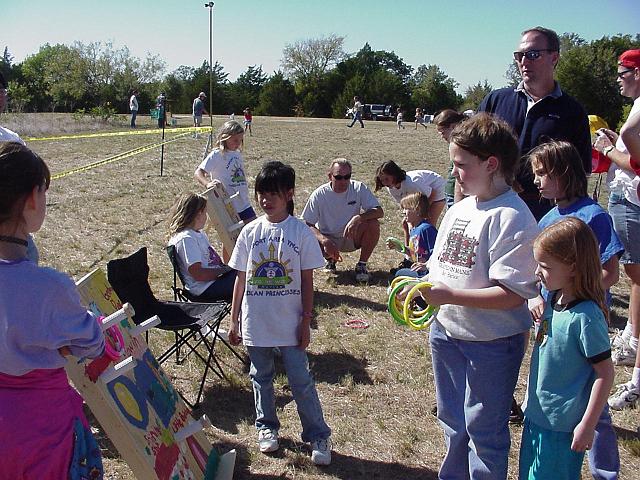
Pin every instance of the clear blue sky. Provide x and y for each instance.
(470, 40)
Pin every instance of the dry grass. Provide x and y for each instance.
(375, 385)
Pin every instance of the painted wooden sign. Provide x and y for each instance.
(134, 400)
(223, 216)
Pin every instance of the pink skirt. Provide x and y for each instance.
(41, 421)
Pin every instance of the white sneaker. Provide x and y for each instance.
(268, 440)
(618, 341)
(627, 394)
(625, 356)
(321, 452)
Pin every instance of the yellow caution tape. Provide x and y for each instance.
(117, 134)
(119, 156)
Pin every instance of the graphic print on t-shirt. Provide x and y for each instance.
(271, 272)
(214, 258)
(459, 248)
(236, 171)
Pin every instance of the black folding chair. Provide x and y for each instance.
(194, 325)
(181, 293)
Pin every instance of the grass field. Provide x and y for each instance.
(375, 384)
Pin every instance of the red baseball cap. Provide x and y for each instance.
(630, 59)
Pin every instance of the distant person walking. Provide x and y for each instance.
(248, 119)
(133, 107)
(357, 112)
(161, 104)
(198, 110)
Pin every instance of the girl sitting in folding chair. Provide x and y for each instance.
(205, 277)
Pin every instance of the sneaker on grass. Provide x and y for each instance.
(625, 356)
(330, 266)
(321, 452)
(268, 440)
(362, 274)
(626, 396)
(618, 341)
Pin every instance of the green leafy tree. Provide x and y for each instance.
(307, 61)
(513, 75)
(277, 97)
(6, 63)
(433, 90)
(474, 95)
(185, 83)
(19, 96)
(245, 91)
(587, 71)
(375, 76)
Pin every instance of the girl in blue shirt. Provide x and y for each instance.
(571, 371)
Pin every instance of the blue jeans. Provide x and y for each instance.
(475, 382)
(626, 223)
(302, 386)
(604, 459)
(407, 272)
(220, 289)
(134, 113)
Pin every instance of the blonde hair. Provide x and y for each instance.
(184, 211)
(226, 131)
(416, 201)
(572, 242)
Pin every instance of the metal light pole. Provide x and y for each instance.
(210, 7)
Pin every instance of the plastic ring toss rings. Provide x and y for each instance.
(113, 341)
(402, 311)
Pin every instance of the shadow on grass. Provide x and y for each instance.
(626, 434)
(334, 300)
(334, 367)
(297, 456)
(620, 303)
(378, 278)
(228, 404)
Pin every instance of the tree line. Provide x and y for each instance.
(317, 78)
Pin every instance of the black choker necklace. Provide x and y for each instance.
(18, 241)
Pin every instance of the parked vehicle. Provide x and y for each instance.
(376, 111)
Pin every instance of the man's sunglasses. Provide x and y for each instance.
(342, 177)
(621, 74)
(530, 54)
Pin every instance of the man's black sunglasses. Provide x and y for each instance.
(530, 54)
(342, 177)
(621, 74)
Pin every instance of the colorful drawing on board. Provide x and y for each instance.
(130, 400)
(156, 388)
(140, 410)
